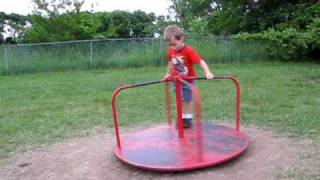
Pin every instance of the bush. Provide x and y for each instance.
(289, 43)
(314, 31)
(314, 43)
(286, 44)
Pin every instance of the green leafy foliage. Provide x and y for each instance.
(123, 24)
(60, 20)
(291, 25)
(12, 25)
(289, 43)
(87, 25)
(314, 31)
(69, 26)
(1, 39)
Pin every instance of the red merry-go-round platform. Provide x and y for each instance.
(172, 148)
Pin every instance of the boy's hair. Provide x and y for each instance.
(172, 31)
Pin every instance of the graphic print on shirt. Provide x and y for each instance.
(179, 65)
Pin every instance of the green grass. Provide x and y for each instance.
(42, 108)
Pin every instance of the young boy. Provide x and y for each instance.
(181, 58)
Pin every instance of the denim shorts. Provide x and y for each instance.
(186, 92)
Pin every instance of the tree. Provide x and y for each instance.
(124, 24)
(12, 25)
(231, 17)
(2, 21)
(58, 20)
(1, 39)
(192, 15)
(10, 40)
(179, 10)
(142, 24)
(161, 22)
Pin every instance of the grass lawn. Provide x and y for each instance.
(38, 109)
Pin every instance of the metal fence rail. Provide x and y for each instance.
(108, 53)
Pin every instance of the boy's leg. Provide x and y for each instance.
(187, 108)
(187, 115)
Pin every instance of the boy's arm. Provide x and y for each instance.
(206, 70)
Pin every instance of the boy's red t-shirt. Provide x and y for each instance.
(182, 60)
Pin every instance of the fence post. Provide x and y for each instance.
(6, 58)
(91, 56)
(161, 53)
(231, 49)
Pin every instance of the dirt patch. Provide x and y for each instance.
(308, 164)
(268, 157)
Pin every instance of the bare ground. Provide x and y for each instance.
(269, 156)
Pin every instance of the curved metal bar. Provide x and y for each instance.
(168, 103)
(114, 111)
(237, 84)
(118, 90)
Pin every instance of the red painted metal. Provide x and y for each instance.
(179, 109)
(199, 134)
(114, 113)
(168, 103)
(236, 82)
(161, 149)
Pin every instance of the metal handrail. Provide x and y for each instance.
(170, 79)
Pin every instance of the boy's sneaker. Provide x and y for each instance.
(187, 123)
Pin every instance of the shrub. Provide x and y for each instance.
(288, 43)
(314, 31)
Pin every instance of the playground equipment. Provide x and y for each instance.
(171, 148)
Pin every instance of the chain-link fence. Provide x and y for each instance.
(108, 53)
